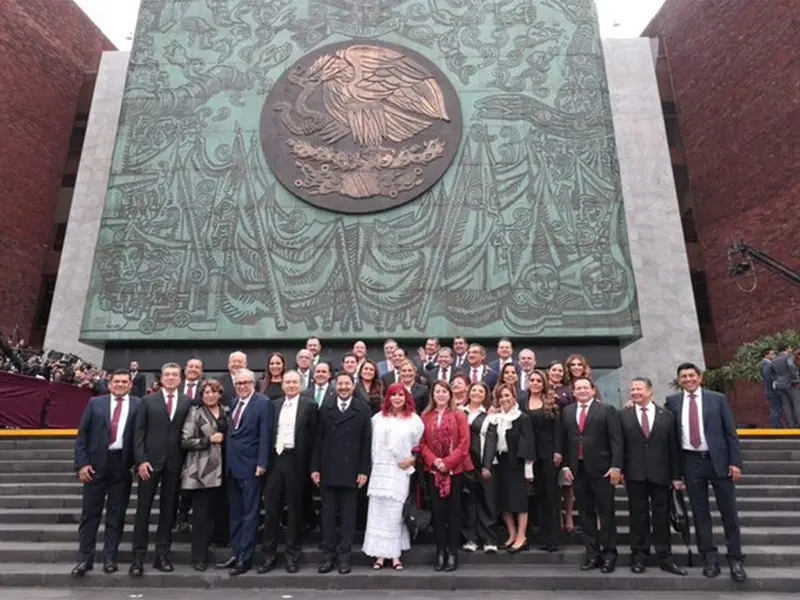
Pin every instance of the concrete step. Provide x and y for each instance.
(476, 577)
(67, 532)
(767, 467)
(64, 552)
(37, 444)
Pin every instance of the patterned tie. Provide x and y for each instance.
(190, 390)
(694, 422)
(169, 405)
(645, 423)
(318, 396)
(342, 406)
(581, 427)
(475, 375)
(444, 375)
(115, 420)
(237, 414)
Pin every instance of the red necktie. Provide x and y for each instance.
(474, 375)
(115, 420)
(581, 427)
(645, 423)
(444, 375)
(237, 414)
(694, 422)
(190, 391)
(169, 406)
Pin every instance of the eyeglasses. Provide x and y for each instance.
(244, 382)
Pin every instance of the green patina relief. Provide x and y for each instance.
(524, 235)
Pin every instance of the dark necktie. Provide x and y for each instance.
(342, 406)
(581, 427)
(169, 406)
(237, 414)
(190, 390)
(475, 375)
(694, 422)
(444, 375)
(115, 420)
(645, 423)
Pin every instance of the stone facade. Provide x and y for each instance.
(45, 49)
(72, 285)
(670, 332)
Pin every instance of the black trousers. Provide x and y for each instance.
(698, 473)
(648, 505)
(184, 506)
(341, 501)
(594, 498)
(479, 510)
(446, 513)
(205, 504)
(284, 487)
(169, 483)
(548, 501)
(110, 488)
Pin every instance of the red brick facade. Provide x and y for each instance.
(46, 46)
(734, 71)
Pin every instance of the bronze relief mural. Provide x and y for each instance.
(359, 127)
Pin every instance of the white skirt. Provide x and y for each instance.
(386, 535)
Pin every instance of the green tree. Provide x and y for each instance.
(744, 366)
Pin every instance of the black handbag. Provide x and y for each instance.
(416, 519)
(679, 518)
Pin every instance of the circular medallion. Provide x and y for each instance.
(360, 126)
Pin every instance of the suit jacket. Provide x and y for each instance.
(329, 395)
(767, 376)
(305, 430)
(228, 389)
(343, 444)
(249, 446)
(203, 465)
(483, 441)
(156, 439)
(489, 377)
(383, 367)
(457, 460)
(656, 458)
(603, 447)
(785, 371)
(718, 425)
(94, 431)
(495, 366)
(139, 385)
(432, 375)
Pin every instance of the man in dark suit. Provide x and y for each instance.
(159, 460)
(385, 365)
(711, 454)
(247, 455)
(787, 384)
(138, 381)
(772, 396)
(651, 466)
(505, 355)
(444, 371)
(321, 389)
(592, 451)
(428, 357)
(340, 466)
(476, 367)
(236, 361)
(291, 447)
(103, 461)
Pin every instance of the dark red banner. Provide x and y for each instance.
(31, 403)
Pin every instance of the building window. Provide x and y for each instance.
(45, 302)
(61, 232)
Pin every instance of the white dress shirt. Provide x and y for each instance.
(650, 409)
(481, 368)
(580, 410)
(174, 401)
(196, 385)
(123, 419)
(440, 373)
(284, 440)
(686, 444)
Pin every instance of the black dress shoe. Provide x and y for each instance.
(200, 566)
(711, 569)
(609, 566)
(452, 561)
(440, 560)
(344, 567)
(136, 569)
(737, 572)
(291, 566)
(228, 564)
(590, 563)
(669, 566)
(81, 568)
(637, 565)
(239, 568)
(326, 566)
(163, 564)
(110, 566)
(268, 564)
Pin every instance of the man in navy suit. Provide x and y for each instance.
(247, 454)
(476, 367)
(707, 436)
(103, 461)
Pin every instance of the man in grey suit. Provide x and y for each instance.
(770, 393)
(787, 384)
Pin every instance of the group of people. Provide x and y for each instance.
(474, 443)
(781, 376)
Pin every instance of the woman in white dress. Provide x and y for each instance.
(396, 431)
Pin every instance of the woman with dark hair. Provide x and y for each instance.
(203, 436)
(445, 453)
(508, 376)
(370, 385)
(396, 431)
(516, 453)
(271, 385)
(460, 387)
(543, 410)
(478, 504)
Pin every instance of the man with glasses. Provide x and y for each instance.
(247, 455)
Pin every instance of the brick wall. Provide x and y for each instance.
(734, 70)
(46, 46)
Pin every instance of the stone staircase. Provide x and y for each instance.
(40, 508)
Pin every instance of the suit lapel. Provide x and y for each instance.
(352, 411)
(105, 411)
(705, 400)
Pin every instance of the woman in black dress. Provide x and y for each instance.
(516, 452)
(271, 385)
(543, 411)
(370, 385)
(478, 503)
